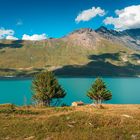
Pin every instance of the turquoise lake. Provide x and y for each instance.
(124, 90)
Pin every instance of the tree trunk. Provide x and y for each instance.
(100, 101)
(47, 102)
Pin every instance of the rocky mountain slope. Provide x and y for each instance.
(85, 37)
(129, 38)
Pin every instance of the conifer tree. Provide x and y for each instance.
(45, 88)
(99, 92)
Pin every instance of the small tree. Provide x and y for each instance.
(46, 88)
(99, 92)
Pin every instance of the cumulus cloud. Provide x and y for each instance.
(35, 37)
(10, 37)
(127, 18)
(6, 32)
(88, 14)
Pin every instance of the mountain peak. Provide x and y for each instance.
(86, 37)
(105, 31)
(83, 30)
(102, 29)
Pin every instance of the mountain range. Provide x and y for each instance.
(129, 38)
(83, 52)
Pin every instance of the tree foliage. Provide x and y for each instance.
(99, 91)
(46, 88)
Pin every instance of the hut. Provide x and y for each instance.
(78, 103)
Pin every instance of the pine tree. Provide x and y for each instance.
(99, 92)
(46, 88)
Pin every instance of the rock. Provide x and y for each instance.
(29, 138)
(72, 122)
(134, 136)
(127, 116)
(71, 126)
(90, 124)
(7, 138)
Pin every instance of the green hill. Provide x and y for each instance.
(25, 58)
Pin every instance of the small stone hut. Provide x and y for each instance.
(78, 103)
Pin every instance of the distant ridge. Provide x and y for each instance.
(129, 38)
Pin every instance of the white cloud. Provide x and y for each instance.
(88, 14)
(127, 18)
(6, 32)
(19, 22)
(10, 37)
(34, 37)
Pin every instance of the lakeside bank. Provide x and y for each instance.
(61, 123)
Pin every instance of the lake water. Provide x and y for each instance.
(124, 90)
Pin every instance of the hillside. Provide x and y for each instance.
(83, 52)
(83, 123)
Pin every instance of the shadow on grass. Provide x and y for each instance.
(13, 44)
(100, 67)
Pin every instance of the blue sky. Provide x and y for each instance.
(56, 18)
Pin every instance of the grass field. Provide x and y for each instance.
(114, 122)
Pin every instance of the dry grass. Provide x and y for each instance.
(114, 122)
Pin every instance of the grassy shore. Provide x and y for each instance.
(114, 122)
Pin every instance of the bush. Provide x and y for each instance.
(11, 109)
